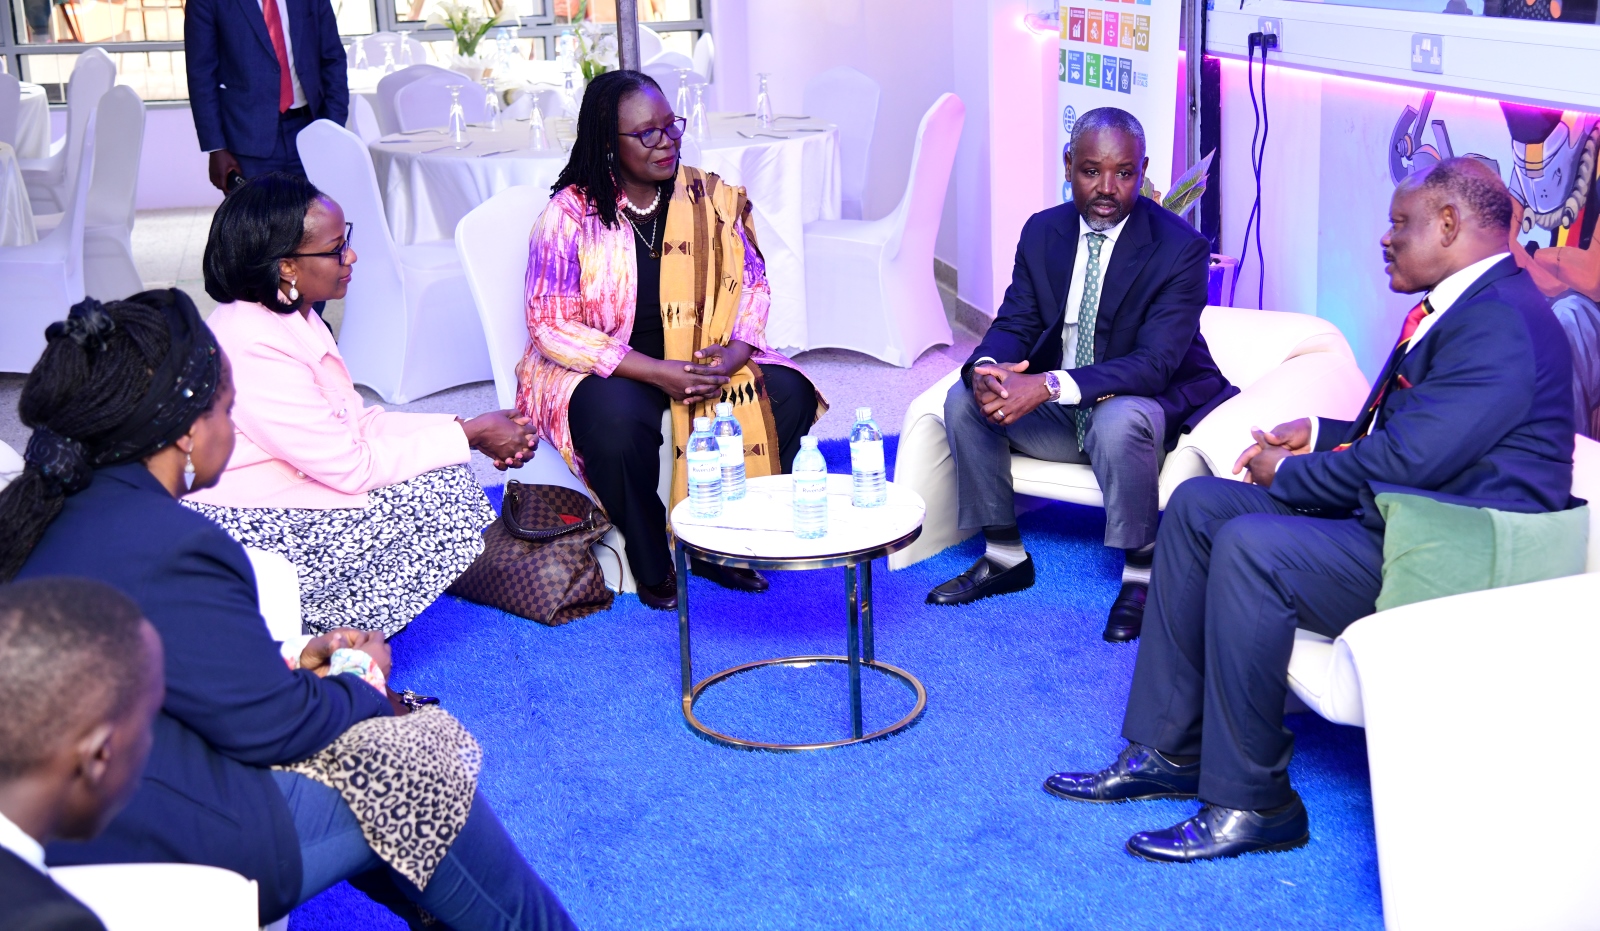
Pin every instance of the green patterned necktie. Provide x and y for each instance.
(1088, 309)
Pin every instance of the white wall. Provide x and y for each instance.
(172, 169)
(904, 45)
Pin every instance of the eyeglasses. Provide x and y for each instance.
(339, 253)
(653, 137)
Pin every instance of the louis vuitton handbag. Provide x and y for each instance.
(538, 560)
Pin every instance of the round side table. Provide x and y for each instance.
(757, 532)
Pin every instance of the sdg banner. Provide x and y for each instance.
(1122, 53)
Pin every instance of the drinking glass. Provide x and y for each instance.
(389, 65)
(569, 98)
(407, 58)
(360, 61)
(697, 120)
(491, 104)
(458, 116)
(680, 104)
(538, 139)
(764, 103)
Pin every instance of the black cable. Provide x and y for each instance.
(1244, 248)
(1266, 130)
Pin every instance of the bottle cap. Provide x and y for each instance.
(863, 413)
(724, 409)
(808, 442)
(702, 425)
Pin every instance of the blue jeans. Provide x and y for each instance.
(482, 883)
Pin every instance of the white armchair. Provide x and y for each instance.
(1286, 365)
(1453, 693)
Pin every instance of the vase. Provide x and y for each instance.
(470, 66)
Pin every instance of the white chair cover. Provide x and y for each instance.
(848, 99)
(666, 75)
(410, 327)
(390, 84)
(277, 593)
(869, 284)
(43, 280)
(10, 108)
(363, 119)
(668, 60)
(492, 241)
(49, 179)
(649, 43)
(10, 464)
(109, 272)
(425, 103)
(165, 896)
(705, 57)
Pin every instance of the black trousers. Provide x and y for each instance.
(285, 156)
(1236, 571)
(616, 429)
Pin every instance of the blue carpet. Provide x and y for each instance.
(636, 822)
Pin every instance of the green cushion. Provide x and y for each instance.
(1432, 549)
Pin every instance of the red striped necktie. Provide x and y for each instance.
(1391, 372)
(269, 10)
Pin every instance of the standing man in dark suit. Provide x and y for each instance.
(1474, 407)
(249, 102)
(80, 682)
(1095, 356)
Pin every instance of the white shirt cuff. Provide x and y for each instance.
(1316, 425)
(1071, 394)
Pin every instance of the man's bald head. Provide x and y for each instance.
(1441, 221)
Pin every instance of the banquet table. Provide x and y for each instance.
(33, 123)
(16, 214)
(791, 173)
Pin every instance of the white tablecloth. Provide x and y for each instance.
(16, 214)
(791, 180)
(33, 123)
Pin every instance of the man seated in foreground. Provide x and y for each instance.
(1474, 407)
(1094, 357)
(80, 681)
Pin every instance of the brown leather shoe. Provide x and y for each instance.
(663, 596)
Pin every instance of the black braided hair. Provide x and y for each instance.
(87, 383)
(590, 166)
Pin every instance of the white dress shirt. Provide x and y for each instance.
(1070, 392)
(288, 48)
(22, 844)
(1443, 296)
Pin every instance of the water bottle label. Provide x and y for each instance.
(810, 490)
(732, 450)
(866, 456)
(705, 469)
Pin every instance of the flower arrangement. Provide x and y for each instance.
(597, 50)
(469, 25)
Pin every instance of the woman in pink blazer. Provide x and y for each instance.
(378, 510)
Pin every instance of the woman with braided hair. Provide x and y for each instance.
(129, 406)
(646, 293)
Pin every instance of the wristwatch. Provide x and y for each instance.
(1054, 384)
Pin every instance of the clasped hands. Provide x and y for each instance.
(316, 655)
(503, 436)
(1259, 461)
(1005, 392)
(702, 379)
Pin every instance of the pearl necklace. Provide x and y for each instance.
(647, 211)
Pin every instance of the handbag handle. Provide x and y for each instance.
(508, 517)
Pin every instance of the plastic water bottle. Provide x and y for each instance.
(705, 471)
(810, 491)
(730, 441)
(868, 487)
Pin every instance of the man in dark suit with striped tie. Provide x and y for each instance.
(1473, 407)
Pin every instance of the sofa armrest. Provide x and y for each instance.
(923, 464)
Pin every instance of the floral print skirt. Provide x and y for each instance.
(377, 567)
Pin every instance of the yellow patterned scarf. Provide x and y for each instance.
(702, 279)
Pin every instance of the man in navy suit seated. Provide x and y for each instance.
(1094, 357)
(249, 102)
(80, 682)
(1474, 407)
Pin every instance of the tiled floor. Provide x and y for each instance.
(168, 246)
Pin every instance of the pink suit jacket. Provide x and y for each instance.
(305, 437)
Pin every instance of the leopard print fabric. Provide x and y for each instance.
(409, 781)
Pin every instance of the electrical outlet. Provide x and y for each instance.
(1270, 26)
(1427, 53)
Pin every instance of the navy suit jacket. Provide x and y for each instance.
(234, 74)
(1147, 338)
(31, 901)
(233, 708)
(1484, 416)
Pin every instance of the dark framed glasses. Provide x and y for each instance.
(653, 137)
(339, 253)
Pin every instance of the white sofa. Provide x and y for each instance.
(1480, 712)
(1286, 365)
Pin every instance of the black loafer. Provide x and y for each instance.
(1127, 613)
(663, 596)
(1139, 773)
(982, 580)
(740, 580)
(1218, 832)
